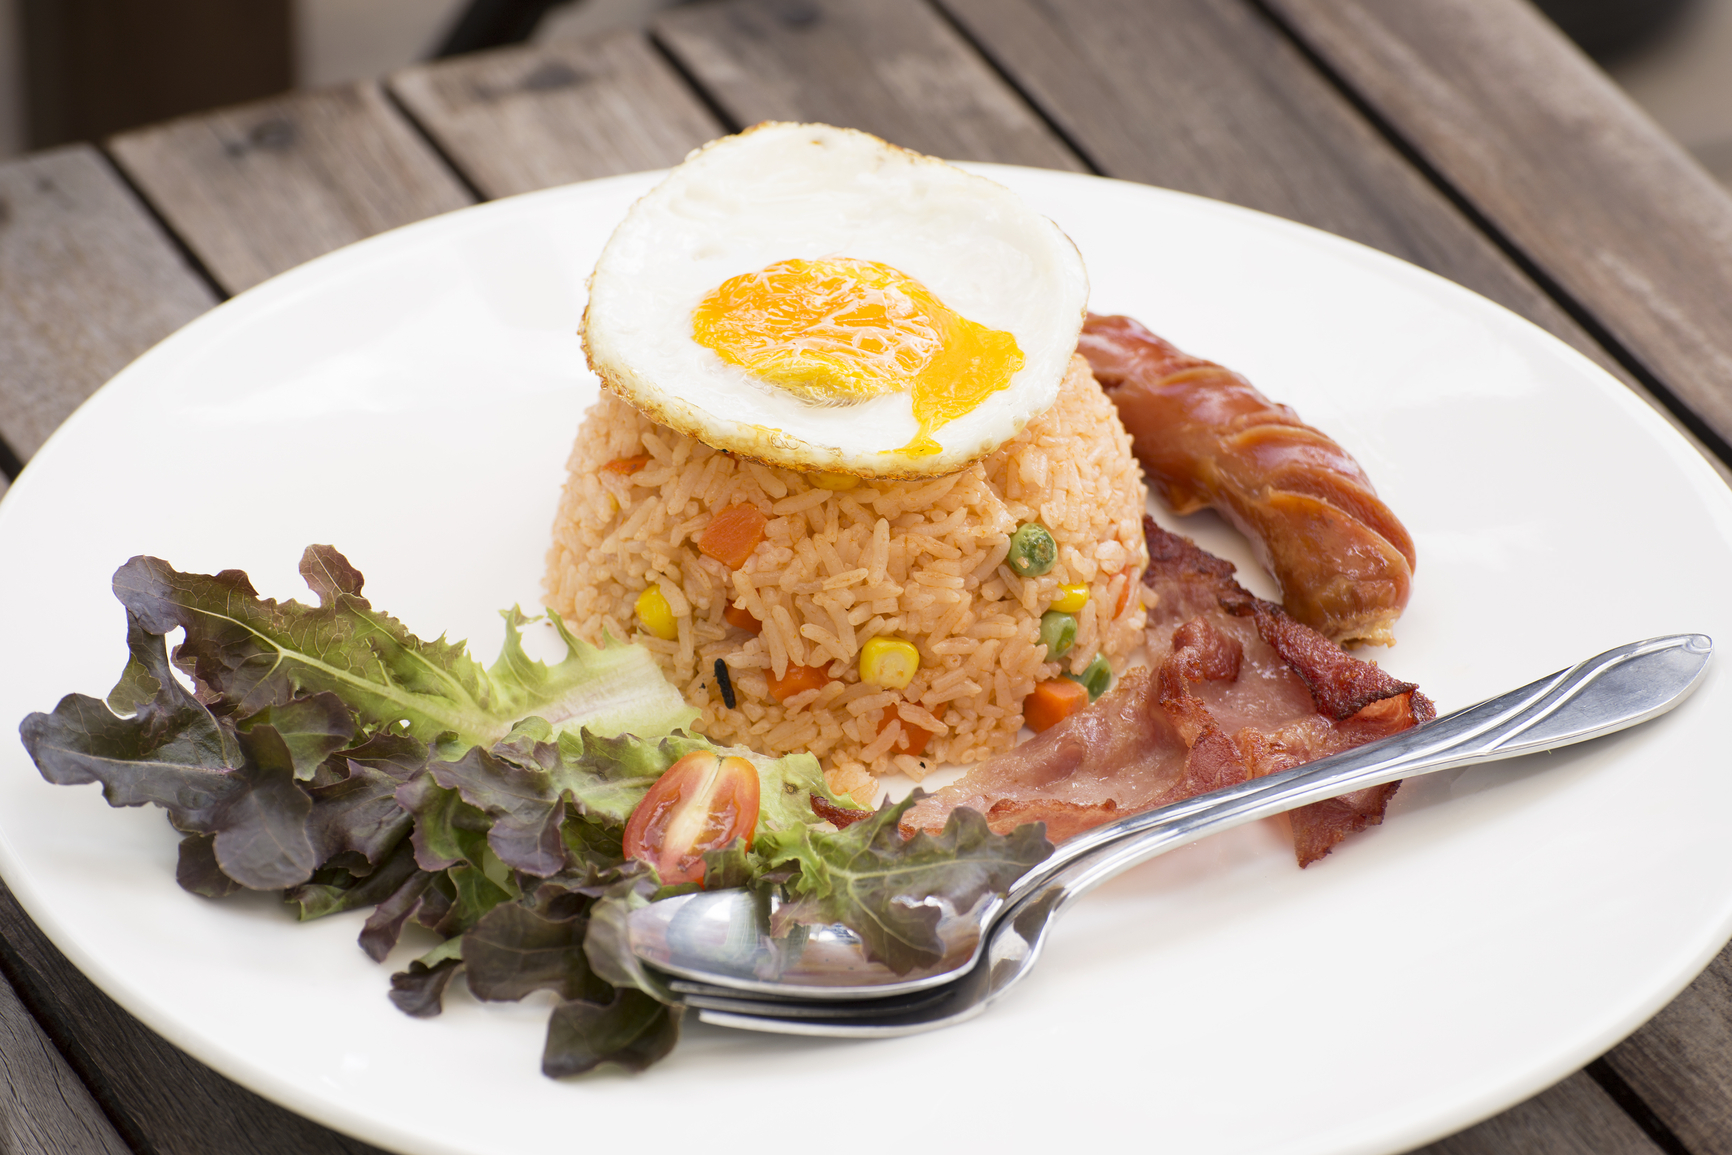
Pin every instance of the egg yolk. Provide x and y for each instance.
(838, 331)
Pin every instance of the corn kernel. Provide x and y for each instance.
(653, 611)
(888, 662)
(1071, 598)
(835, 480)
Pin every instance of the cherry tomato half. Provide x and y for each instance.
(702, 802)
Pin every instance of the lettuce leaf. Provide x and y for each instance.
(333, 890)
(357, 818)
(238, 787)
(871, 880)
(419, 991)
(197, 868)
(312, 729)
(514, 951)
(631, 1029)
(607, 946)
(252, 654)
(385, 925)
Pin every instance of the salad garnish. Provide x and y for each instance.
(327, 752)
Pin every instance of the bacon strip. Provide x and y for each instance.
(1239, 690)
(1206, 437)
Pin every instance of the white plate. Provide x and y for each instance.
(412, 399)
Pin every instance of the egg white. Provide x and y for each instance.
(781, 191)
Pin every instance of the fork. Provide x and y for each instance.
(1612, 691)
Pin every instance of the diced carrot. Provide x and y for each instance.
(1052, 702)
(733, 534)
(799, 679)
(741, 619)
(627, 465)
(1125, 594)
(914, 738)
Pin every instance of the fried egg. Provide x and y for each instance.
(815, 298)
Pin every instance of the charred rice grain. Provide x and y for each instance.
(725, 684)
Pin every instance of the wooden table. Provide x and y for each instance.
(1465, 136)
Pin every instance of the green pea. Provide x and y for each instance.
(1057, 633)
(1096, 677)
(1032, 550)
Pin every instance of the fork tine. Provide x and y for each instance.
(826, 1028)
(864, 1027)
(776, 1002)
(860, 1018)
(733, 1002)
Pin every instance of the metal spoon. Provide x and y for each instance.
(718, 947)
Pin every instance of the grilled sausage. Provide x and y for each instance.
(1206, 437)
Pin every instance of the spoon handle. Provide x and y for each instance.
(1617, 689)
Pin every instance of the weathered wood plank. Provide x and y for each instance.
(1573, 1118)
(261, 188)
(87, 282)
(1211, 98)
(1547, 150)
(1680, 1062)
(891, 67)
(44, 1109)
(163, 1100)
(521, 119)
